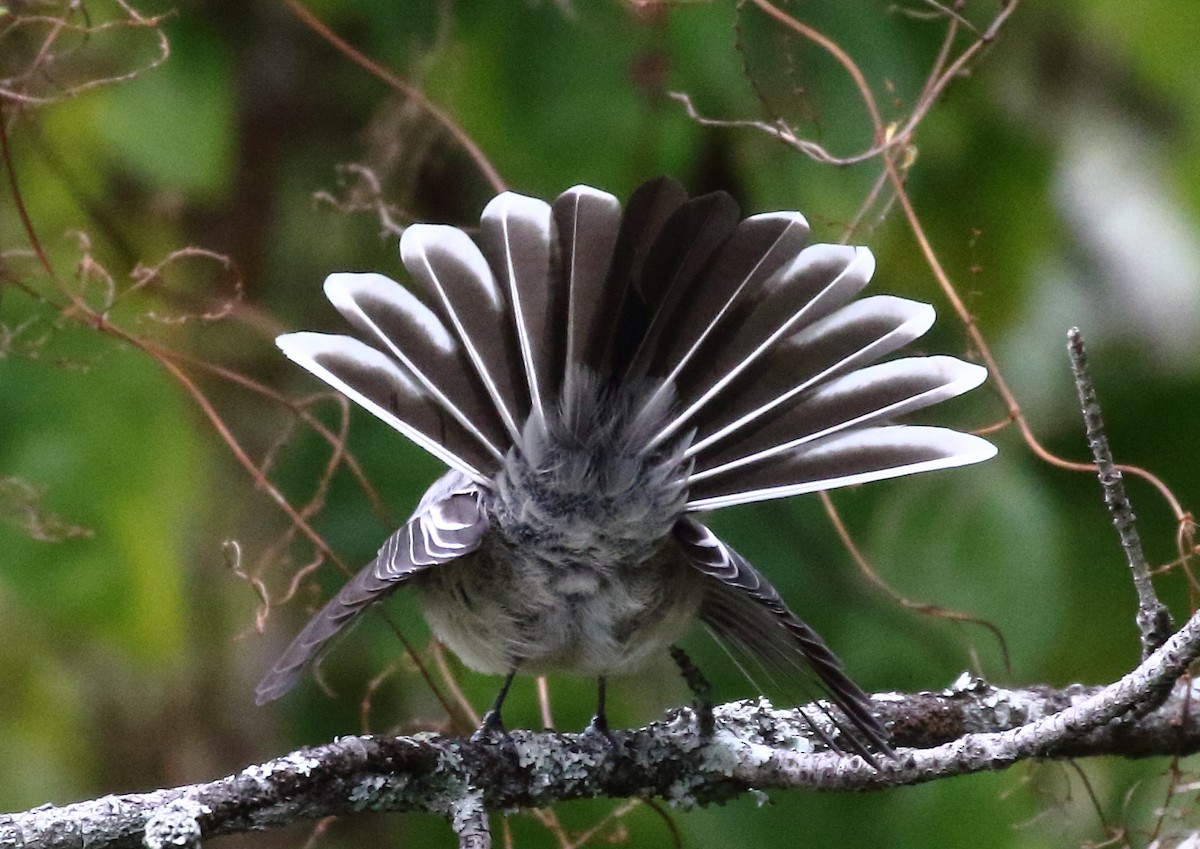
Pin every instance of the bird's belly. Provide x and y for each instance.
(541, 618)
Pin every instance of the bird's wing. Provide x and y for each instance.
(747, 615)
(442, 530)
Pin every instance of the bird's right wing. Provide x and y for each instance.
(746, 614)
(442, 530)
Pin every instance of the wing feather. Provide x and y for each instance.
(443, 531)
(743, 607)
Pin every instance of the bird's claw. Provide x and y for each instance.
(491, 729)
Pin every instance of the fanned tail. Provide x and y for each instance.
(775, 364)
(816, 281)
(381, 386)
(460, 282)
(386, 312)
(750, 333)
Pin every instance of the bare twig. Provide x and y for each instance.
(1153, 618)
(872, 574)
(410, 91)
(17, 88)
(21, 504)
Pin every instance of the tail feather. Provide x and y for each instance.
(454, 271)
(752, 644)
(627, 308)
(846, 459)
(378, 306)
(759, 247)
(587, 222)
(379, 385)
(516, 235)
(856, 335)
(819, 279)
(862, 398)
(690, 238)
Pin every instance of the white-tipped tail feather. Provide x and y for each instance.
(459, 280)
(515, 232)
(847, 459)
(380, 386)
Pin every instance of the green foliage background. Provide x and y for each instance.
(1057, 182)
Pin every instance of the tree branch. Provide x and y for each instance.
(970, 727)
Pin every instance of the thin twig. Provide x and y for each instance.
(410, 91)
(469, 819)
(872, 574)
(1153, 618)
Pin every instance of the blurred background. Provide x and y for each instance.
(192, 177)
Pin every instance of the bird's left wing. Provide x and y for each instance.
(443, 529)
(746, 614)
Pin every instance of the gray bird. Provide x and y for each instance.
(596, 381)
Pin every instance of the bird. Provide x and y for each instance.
(597, 380)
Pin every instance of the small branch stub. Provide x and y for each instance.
(701, 689)
(175, 826)
(469, 819)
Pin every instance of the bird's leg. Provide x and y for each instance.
(599, 723)
(701, 690)
(493, 722)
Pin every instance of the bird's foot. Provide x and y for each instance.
(598, 727)
(491, 730)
